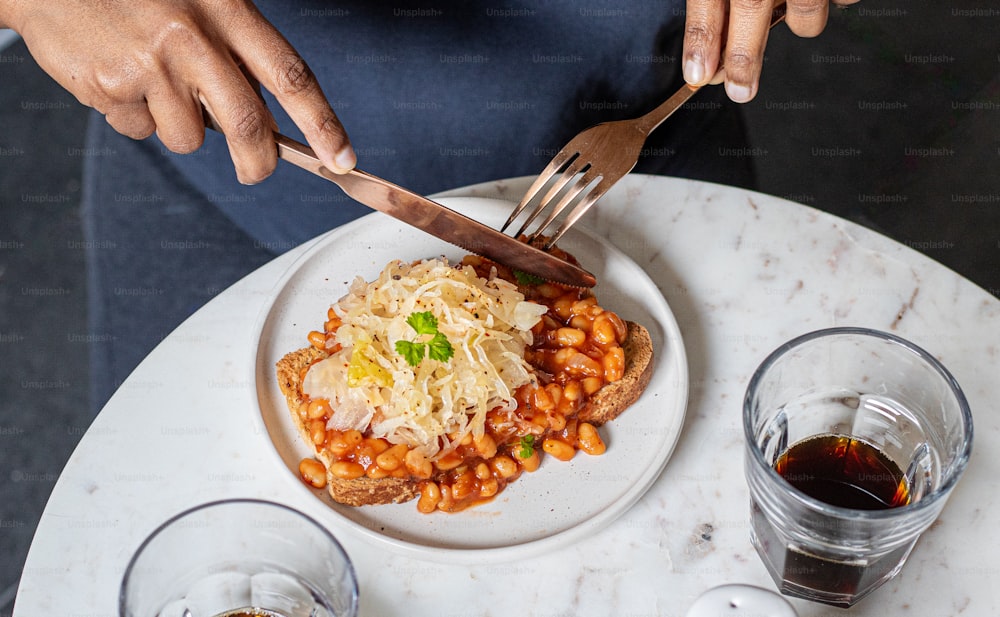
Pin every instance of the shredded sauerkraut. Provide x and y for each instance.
(433, 405)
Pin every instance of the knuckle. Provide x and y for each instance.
(330, 126)
(740, 63)
(146, 67)
(293, 75)
(700, 35)
(119, 84)
(180, 31)
(249, 123)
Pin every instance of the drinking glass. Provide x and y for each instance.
(239, 557)
(889, 433)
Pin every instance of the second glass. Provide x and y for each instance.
(241, 557)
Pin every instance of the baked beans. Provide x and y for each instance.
(313, 472)
(317, 339)
(577, 351)
(589, 440)
(558, 448)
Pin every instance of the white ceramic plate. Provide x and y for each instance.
(558, 504)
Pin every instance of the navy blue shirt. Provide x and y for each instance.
(451, 93)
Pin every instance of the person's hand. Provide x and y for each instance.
(150, 65)
(732, 34)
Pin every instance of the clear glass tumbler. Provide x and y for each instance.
(239, 557)
(854, 440)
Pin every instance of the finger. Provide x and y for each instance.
(703, 36)
(243, 119)
(807, 18)
(179, 123)
(131, 119)
(744, 53)
(285, 74)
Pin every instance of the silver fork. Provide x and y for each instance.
(600, 155)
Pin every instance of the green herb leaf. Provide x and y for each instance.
(439, 348)
(424, 322)
(527, 279)
(526, 446)
(412, 352)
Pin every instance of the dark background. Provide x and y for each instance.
(889, 119)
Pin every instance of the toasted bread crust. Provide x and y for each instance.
(614, 398)
(604, 406)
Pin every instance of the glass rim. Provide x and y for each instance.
(961, 461)
(235, 501)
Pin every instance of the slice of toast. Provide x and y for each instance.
(604, 406)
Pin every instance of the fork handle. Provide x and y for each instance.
(648, 122)
(653, 119)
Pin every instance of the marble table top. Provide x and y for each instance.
(742, 272)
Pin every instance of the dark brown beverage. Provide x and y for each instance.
(839, 471)
(844, 472)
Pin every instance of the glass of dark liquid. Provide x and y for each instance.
(854, 440)
(240, 558)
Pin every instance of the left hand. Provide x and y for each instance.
(733, 34)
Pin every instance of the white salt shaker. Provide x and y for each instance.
(738, 600)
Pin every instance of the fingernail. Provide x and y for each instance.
(738, 92)
(694, 71)
(345, 160)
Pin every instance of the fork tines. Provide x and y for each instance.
(561, 183)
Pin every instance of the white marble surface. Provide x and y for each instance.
(742, 272)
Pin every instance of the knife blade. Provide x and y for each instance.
(437, 220)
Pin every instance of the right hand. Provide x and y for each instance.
(733, 33)
(150, 65)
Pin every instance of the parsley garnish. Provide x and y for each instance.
(437, 347)
(526, 447)
(527, 279)
(413, 352)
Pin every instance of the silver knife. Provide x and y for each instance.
(437, 220)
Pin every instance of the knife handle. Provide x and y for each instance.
(304, 157)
